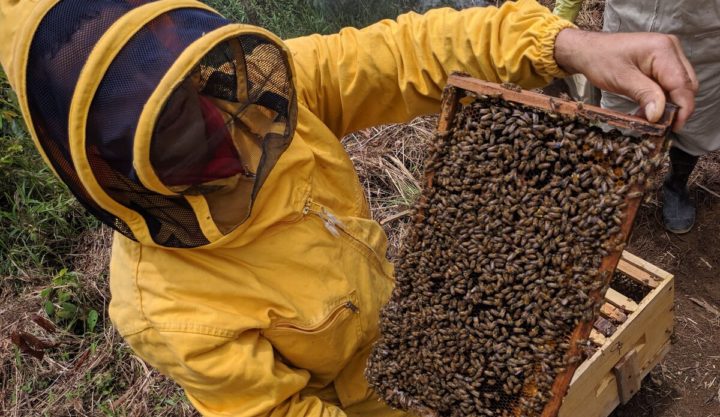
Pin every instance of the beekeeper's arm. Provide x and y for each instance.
(231, 375)
(395, 70)
(568, 9)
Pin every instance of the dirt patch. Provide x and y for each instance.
(687, 383)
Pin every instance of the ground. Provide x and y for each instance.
(96, 374)
(687, 383)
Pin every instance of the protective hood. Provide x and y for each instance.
(162, 117)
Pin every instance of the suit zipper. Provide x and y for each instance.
(328, 322)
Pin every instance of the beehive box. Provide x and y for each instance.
(527, 207)
(640, 311)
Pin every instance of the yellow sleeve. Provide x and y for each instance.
(567, 9)
(393, 71)
(230, 376)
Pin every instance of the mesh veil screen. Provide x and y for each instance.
(58, 51)
(116, 109)
(255, 66)
(268, 84)
(240, 134)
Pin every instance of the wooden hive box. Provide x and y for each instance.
(613, 374)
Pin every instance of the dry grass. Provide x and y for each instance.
(707, 174)
(590, 16)
(90, 374)
(389, 160)
(97, 374)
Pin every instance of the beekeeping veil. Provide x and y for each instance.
(162, 117)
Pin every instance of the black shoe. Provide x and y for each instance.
(678, 209)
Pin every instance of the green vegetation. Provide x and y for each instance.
(291, 18)
(39, 219)
(62, 302)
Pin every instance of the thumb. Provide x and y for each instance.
(648, 94)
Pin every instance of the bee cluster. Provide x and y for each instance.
(498, 269)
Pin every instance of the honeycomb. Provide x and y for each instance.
(498, 270)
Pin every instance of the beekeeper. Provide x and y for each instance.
(697, 26)
(245, 264)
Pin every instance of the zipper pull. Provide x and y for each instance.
(352, 307)
(331, 218)
(331, 228)
(331, 222)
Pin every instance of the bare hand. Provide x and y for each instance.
(641, 66)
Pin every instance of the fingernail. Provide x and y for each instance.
(650, 111)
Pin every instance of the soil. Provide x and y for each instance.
(687, 383)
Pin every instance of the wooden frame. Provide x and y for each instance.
(656, 133)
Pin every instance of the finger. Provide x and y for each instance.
(686, 63)
(646, 92)
(680, 85)
(666, 66)
(685, 99)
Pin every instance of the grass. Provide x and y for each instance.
(38, 216)
(389, 160)
(292, 18)
(590, 16)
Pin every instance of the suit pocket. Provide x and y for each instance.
(323, 347)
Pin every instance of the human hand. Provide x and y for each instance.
(641, 66)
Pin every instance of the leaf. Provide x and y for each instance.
(64, 296)
(46, 292)
(49, 308)
(68, 311)
(59, 279)
(44, 323)
(92, 319)
(20, 340)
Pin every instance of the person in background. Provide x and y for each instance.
(696, 23)
(245, 263)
